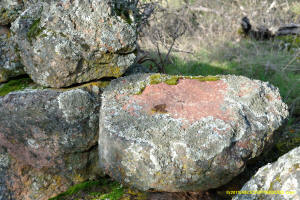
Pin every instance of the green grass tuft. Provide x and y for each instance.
(76, 188)
(14, 85)
(103, 189)
(116, 193)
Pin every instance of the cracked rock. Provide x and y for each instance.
(10, 63)
(172, 133)
(48, 141)
(66, 42)
(280, 179)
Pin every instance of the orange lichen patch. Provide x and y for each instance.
(189, 99)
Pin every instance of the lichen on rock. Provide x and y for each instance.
(278, 180)
(10, 10)
(63, 43)
(10, 63)
(50, 137)
(175, 133)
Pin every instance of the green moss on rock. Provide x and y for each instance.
(98, 189)
(173, 80)
(205, 78)
(75, 188)
(34, 30)
(14, 85)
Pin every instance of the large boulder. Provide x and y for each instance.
(48, 141)
(67, 42)
(172, 133)
(279, 180)
(10, 64)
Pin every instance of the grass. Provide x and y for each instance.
(102, 189)
(268, 61)
(217, 48)
(14, 85)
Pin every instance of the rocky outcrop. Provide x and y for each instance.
(172, 133)
(67, 42)
(48, 141)
(279, 180)
(10, 64)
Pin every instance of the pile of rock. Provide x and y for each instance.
(149, 131)
(48, 138)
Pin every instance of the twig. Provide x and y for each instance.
(296, 57)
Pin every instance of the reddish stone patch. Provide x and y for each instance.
(35, 157)
(189, 99)
(247, 88)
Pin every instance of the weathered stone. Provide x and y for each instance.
(67, 42)
(50, 138)
(10, 64)
(278, 180)
(171, 133)
(138, 68)
(10, 10)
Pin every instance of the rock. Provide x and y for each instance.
(10, 10)
(66, 42)
(10, 64)
(172, 133)
(5, 194)
(50, 138)
(280, 178)
(138, 68)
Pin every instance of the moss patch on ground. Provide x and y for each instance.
(15, 85)
(101, 189)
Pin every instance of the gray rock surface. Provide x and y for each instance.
(5, 194)
(278, 180)
(138, 68)
(67, 42)
(10, 10)
(50, 138)
(171, 133)
(10, 63)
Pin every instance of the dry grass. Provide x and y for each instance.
(212, 37)
(212, 45)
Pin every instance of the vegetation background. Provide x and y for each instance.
(203, 37)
